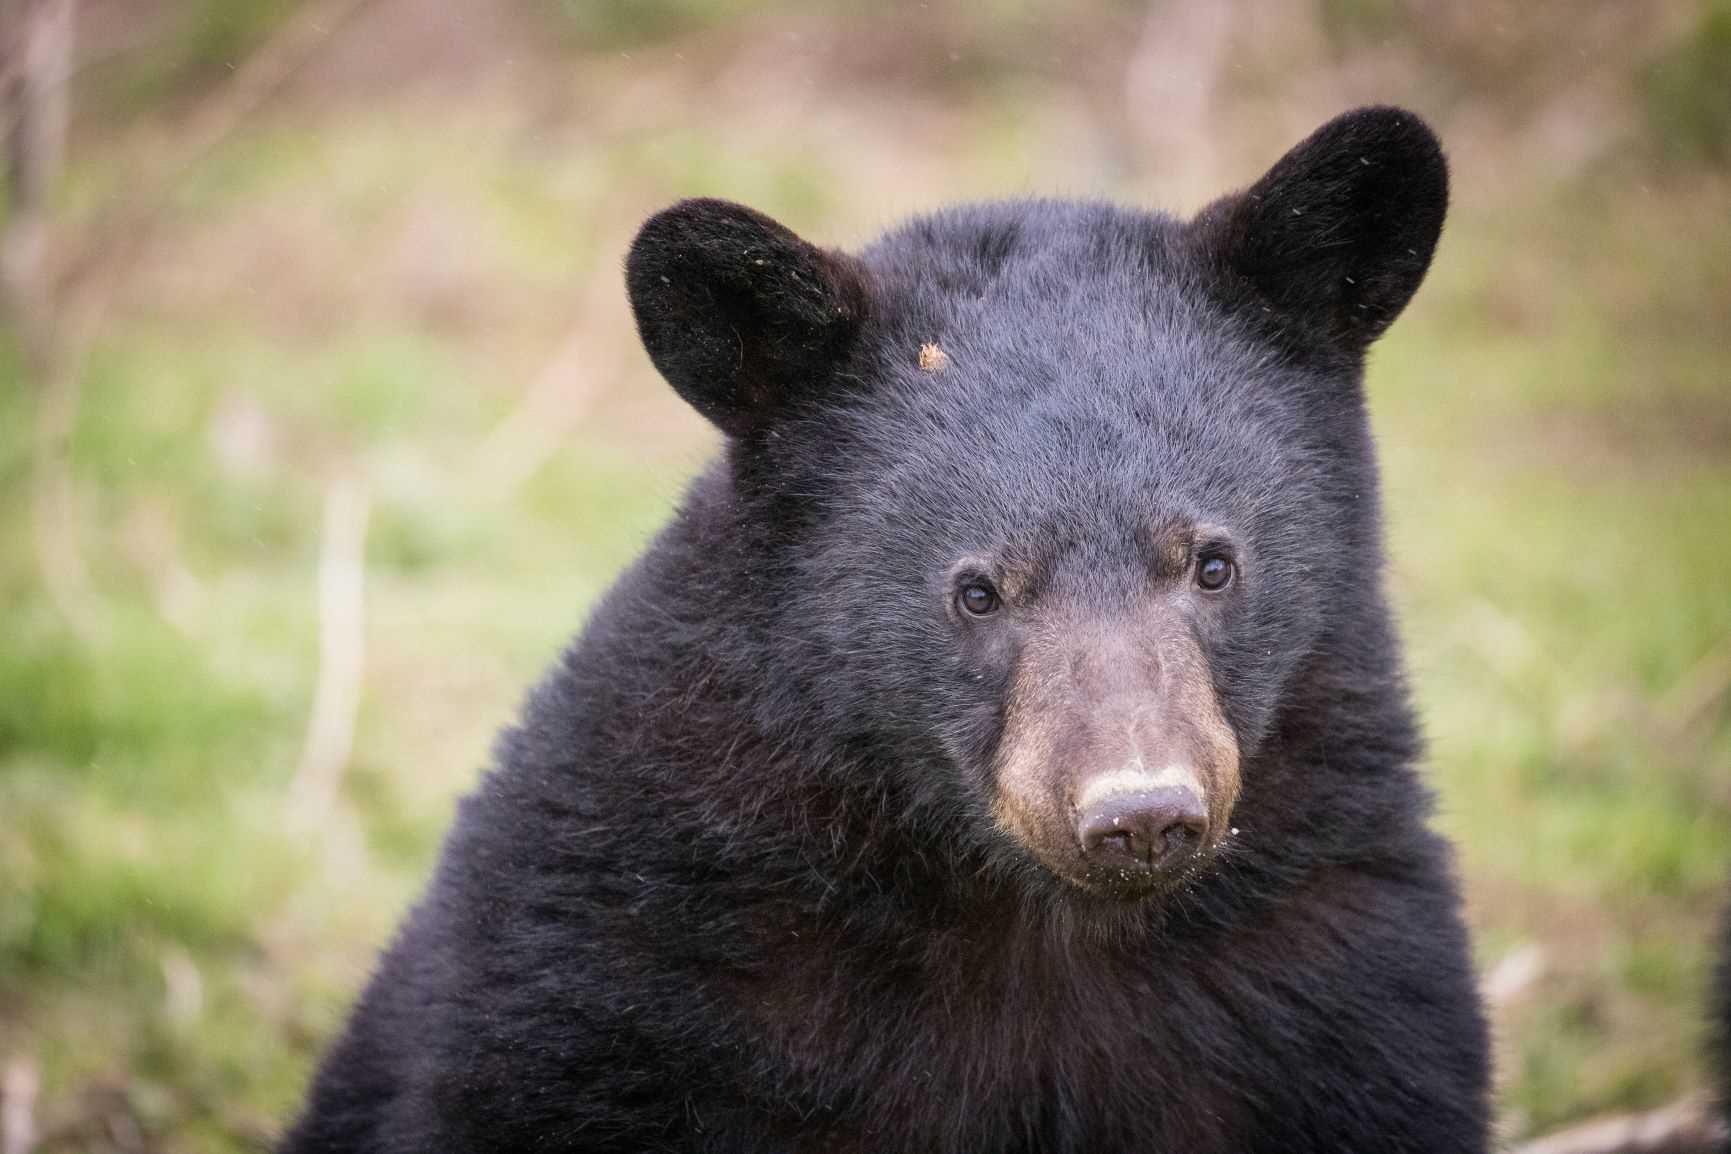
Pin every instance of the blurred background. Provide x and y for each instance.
(322, 420)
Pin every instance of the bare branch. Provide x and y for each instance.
(59, 315)
(342, 635)
(542, 421)
(18, 1086)
(263, 74)
(53, 486)
(1683, 1127)
(35, 60)
(556, 400)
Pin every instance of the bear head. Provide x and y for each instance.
(1054, 501)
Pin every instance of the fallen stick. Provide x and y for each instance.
(18, 1086)
(330, 733)
(1684, 1127)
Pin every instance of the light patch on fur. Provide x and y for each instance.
(1218, 738)
(1026, 804)
(1174, 556)
(1137, 780)
(933, 359)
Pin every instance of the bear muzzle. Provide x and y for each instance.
(1136, 825)
(1117, 770)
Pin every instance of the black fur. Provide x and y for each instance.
(738, 313)
(734, 884)
(1338, 235)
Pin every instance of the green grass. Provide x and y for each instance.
(1688, 99)
(1558, 508)
(145, 827)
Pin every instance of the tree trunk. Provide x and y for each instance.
(35, 67)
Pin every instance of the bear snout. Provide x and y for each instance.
(1131, 822)
(1116, 769)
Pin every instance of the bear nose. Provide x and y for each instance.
(1151, 830)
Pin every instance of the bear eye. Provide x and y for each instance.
(1214, 572)
(978, 598)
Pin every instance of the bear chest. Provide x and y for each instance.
(976, 1054)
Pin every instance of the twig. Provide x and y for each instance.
(35, 60)
(18, 1086)
(541, 422)
(555, 402)
(115, 243)
(53, 486)
(1699, 691)
(1513, 976)
(1171, 82)
(336, 702)
(183, 987)
(59, 316)
(1683, 1127)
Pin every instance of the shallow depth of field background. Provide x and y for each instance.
(340, 279)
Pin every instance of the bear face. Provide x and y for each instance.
(1059, 493)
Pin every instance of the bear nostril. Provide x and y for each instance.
(1119, 841)
(1181, 837)
(1143, 830)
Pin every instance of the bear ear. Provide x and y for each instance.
(1337, 236)
(740, 315)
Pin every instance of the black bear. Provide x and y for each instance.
(1005, 746)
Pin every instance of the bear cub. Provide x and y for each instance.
(1004, 748)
